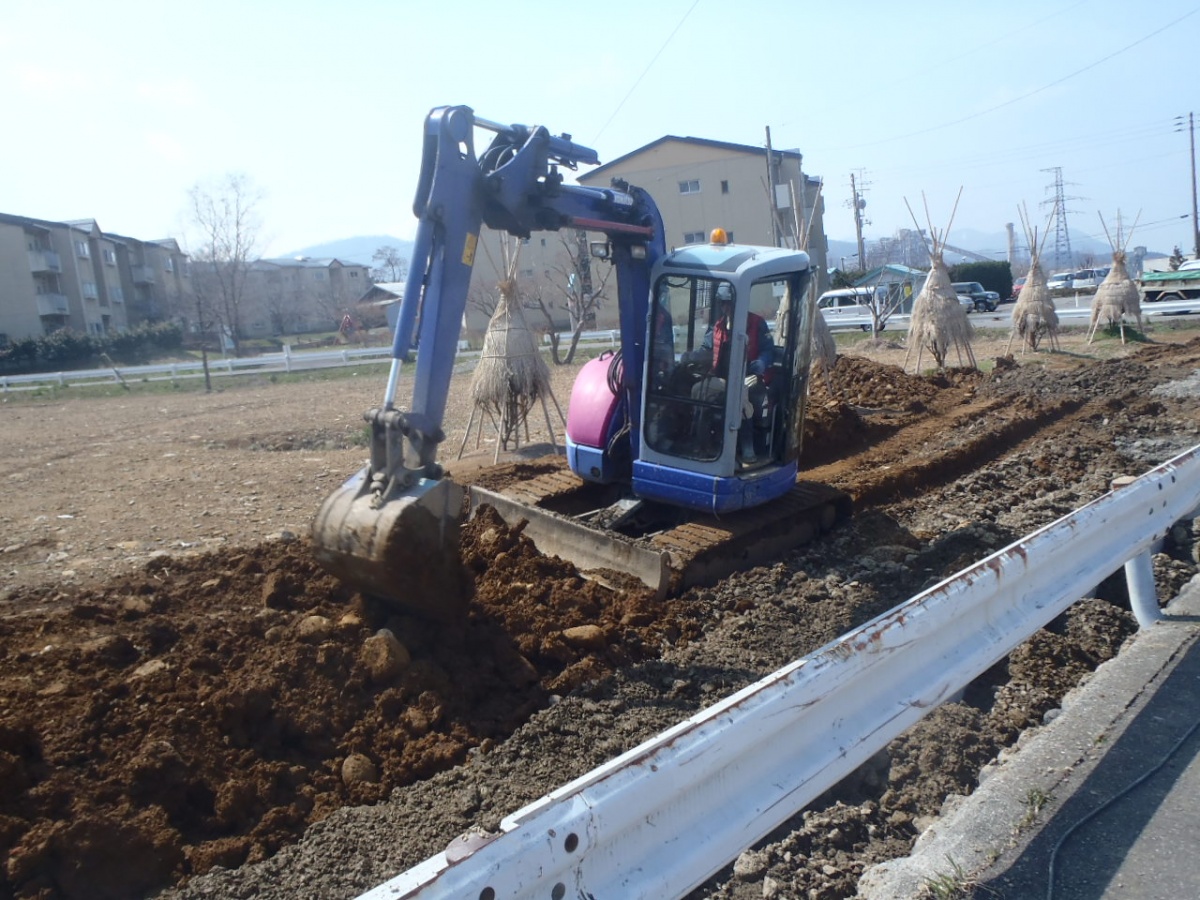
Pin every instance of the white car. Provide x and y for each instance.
(1060, 281)
(847, 307)
(1088, 279)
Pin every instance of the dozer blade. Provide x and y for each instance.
(405, 550)
(696, 552)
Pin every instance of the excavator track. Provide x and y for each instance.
(697, 551)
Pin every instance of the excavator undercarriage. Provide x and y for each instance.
(665, 548)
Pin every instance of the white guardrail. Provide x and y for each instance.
(284, 361)
(660, 819)
(287, 360)
(295, 361)
(1070, 309)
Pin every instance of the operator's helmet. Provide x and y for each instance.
(724, 293)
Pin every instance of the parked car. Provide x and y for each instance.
(983, 301)
(1088, 279)
(1017, 285)
(1059, 281)
(848, 306)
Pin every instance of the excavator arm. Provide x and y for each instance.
(392, 528)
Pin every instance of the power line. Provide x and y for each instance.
(644, 71)
(973, 52)
(1028, 94)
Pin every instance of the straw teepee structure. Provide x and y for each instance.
(1117, 296)
(511, 376)
(1034, 315)
(939, 322)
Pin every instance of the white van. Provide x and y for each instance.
(1088, 279)
(849, 307)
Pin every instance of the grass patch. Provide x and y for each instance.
(952, 885)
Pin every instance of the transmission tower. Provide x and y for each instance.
(1062, 238)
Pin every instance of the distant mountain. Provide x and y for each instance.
(355, 249)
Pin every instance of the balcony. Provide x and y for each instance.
(142, 274)
(44, 261)
(53, 305)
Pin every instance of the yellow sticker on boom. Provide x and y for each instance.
(468, 256)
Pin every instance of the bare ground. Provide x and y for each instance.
(190, 708)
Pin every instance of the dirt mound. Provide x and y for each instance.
(206, 711)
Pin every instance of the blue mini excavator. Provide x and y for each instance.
(685, 441)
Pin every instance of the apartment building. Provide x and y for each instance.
(56, 275)
(299, 295)
(700, 184)
(697, 184)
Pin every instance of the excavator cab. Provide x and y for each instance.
(724, 382)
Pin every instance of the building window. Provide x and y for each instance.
(110, 257)
(690, 187)
(117, 294)
(724, 187)
(353, 273)
(693, 237)
(89, 290)
(81, 249)
(319, 276)
(169, 265)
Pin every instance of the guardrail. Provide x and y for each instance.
(284, 361)
(660, 819)
(287, 360)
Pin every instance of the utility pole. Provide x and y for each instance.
(858, 203)
(1195, 216)
(771, 191)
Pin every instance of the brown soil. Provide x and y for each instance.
(183, 691)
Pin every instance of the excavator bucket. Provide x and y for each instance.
(404, 550)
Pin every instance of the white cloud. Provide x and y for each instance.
(177, 92)
(54, 80)
(164, 146)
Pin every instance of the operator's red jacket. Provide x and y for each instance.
(759, 344)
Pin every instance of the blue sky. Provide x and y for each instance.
(117, 109)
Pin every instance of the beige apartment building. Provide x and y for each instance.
(698, 185)
(56, 275)
(300, 295)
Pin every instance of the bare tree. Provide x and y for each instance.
(390, 265)
(224, 213)
(278, 304)
(575, 287)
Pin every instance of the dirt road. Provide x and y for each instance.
(190, 707)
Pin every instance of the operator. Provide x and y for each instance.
(662, 354)
(760, 351)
